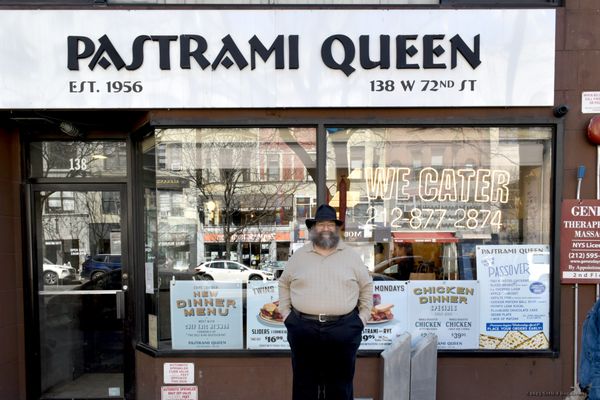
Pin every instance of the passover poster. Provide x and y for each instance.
(388, 318)
(206, 315)
(515, 312)
(264, 323)
(448, 309)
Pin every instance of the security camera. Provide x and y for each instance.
(561, 111)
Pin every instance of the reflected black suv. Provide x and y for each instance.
(100, 264)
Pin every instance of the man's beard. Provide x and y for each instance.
(325, 240)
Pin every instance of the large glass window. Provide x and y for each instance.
(453, 223)
(453, 211)
(223, 204)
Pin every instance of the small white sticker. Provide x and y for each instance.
(114, 392)
(590, 102)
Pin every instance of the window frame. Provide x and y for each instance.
(321, 125)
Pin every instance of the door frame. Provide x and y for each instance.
(32, 324)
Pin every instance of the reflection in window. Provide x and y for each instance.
(236, 194)
(443, 191)
(59, 159)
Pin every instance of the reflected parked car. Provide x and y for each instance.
(274, 267)
(54, 273)
(100, 264)
(222, 270)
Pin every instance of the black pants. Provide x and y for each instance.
(323, 356)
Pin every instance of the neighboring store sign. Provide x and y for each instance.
(388, 318)
(264, 325)
(284, 58)
(580, 241)
(448, 309)
(206, 315)
(515, 310)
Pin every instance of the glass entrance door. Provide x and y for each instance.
(81, 275)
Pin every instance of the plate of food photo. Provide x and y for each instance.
(269, 314)
(381, 313)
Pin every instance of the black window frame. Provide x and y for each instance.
(321, 125)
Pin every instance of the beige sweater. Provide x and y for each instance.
(334, 285)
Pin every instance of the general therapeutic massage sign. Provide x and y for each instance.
(580, 241)
(213, 58)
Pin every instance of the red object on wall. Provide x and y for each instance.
(593, 130)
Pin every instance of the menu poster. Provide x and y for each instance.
(264, 325)
(515, 312)
(448, 309)
(206, 315)
(388, 315)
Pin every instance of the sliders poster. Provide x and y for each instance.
(206, 315)
(448, 309)
(264, 327)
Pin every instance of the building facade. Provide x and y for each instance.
(160, 161)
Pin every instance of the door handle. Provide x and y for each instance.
(120, 300)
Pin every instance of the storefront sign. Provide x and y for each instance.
(178, 373)
(515, 312)
(179, 393)
(206, 315)
(388, 316)
(580, 241)
(284, 58)
(448, 309)
(264, 325)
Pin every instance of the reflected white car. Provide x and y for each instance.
(222, 270)
(54, 273)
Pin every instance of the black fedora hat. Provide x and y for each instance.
(324, 213)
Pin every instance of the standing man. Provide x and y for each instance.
(325, 296)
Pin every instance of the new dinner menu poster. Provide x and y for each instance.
(206, 315)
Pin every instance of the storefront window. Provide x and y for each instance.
(468, 208)
(225, 200)
(453, 223)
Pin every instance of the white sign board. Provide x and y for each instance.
(151, 59)
(590, 102)
(515, 312)
(178, 373)
(447, 309)
(179, 393)
(206, 315)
